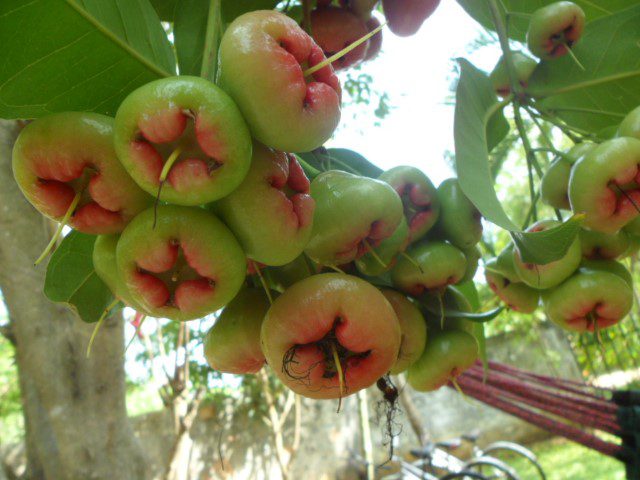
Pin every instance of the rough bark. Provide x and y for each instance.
(75, 413)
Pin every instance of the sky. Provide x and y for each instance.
(417, 73)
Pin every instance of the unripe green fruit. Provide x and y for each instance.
(189, 265)
(413, 328)
(554, 189)
(419, 198)
(65, 154)
(473, 256)
(609, 266)
(634, 246)
(351, 212)
(106, 267)
(589, 300)
(517, 296)
(604, 185)
(551, 274)
(271, 212)
(232, 345)
(387, 252)
(630, 125)
(504, 264)
(405, 17)
(524, 67)
(446, 355)
(440, 264)
(262, 57)
(460, 221)
(596, 245)
(195, 116)
(330, 315)
(554, 29)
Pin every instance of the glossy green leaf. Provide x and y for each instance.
(609, 86)
(60, 55)
(593, 9)
(166, 9)
(341, 159)
(72, 280)
(476, 104)
(480, 317)
(189, 30)
(537, 247)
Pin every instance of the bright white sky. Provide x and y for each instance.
(417, 73)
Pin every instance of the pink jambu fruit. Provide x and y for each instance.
(330, 335)
(334, 29)
(263, 57)
(192, 124)
(271, 212)
(187, 266)
(63, 155)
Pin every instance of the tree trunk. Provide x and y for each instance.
(75, 413)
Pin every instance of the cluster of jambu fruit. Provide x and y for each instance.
(198, 206)
(587, 289)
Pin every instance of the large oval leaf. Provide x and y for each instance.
(476, 114)
(72, 280)
(608, 87)
(85, 55)
(518, 25)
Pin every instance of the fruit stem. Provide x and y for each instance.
(264, 284)
(101, 320)
(61, 225)
(333, 267)
(456, 385)
(336, 360)
(441, 305)
(628, 197)
(374, 254)
(343, 52)
(573, 56)
(412, 261)
(169, 163)
(137, 332)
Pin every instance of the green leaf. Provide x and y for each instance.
(537, 247)
(470, 292)
(480, 317)
(72, 280)
(354, 160)
(60, 55)
(341, 159)
(166, 9)
(608, 88)
(476, 104)
(234, 8)
(189, 30)
(479, 10)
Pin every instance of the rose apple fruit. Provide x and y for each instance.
(499, 76)
(460, 221)
(405, 17)
(597, 296)
(604, 185)
(330, 335)
(554, 189)
(189, 265)
(554, 29)
(419, 198)
(263, 55)
(189, 117)
(446, 355)
(335, 28)
(232, 344)
(62, 155)
(413, 329)
(517, 296)
(271, 212)
(352, 214)
(433, 267)
(551, 274)
(596, 245)
(385, 255)
(630, 125)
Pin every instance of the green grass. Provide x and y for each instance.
(565, 460)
